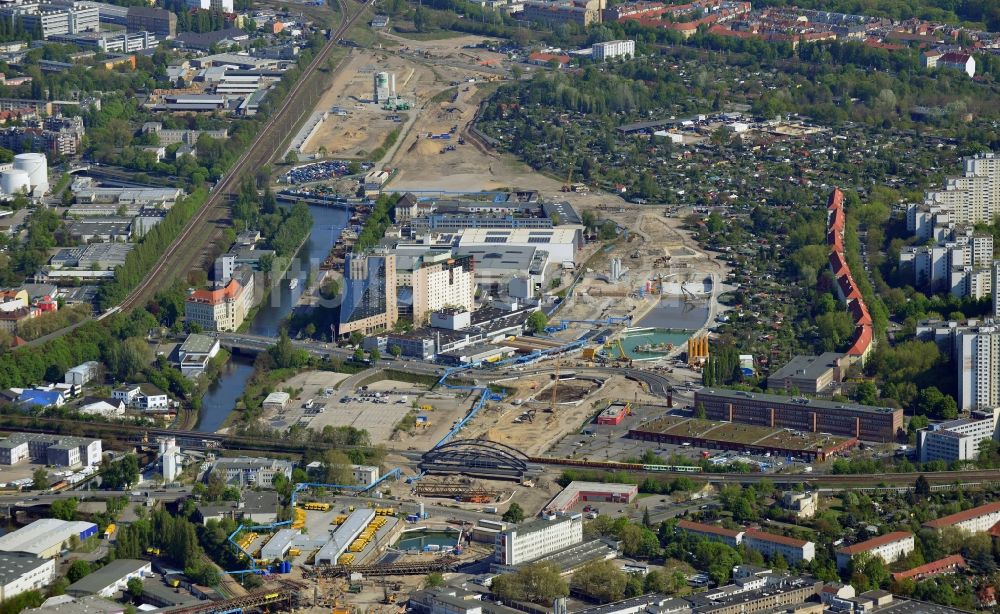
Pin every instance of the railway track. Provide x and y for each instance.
(181, 253)
(133, 435)
(445, 563)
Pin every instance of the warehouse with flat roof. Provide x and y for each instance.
(45, 538)
(343, 536)
(110, 579)
(578, 491)
(863, 422)
(279, 544)
(20, 573)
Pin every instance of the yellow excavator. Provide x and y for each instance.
(622, 354)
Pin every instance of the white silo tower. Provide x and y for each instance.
(13, 181)
(381, 92)
(37, 168)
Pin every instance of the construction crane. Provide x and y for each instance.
(568, 186)
(555, 388)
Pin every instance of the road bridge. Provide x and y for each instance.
(334, 203)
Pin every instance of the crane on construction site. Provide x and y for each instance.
(568, 186)
(555, 388)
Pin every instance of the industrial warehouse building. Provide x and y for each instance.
(577, 491)
(343, 536)
(536, 538)
(809, 415)
(110, 579)
(364, 474)
(45, 538)
(560, 242)
(278, 546)
(20, 573)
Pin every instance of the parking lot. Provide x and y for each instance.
(321, 171)
(607, 442)
(22, 474)
(377, 416)
(323, 398)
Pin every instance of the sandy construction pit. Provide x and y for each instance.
(355, 125)
(499, 421)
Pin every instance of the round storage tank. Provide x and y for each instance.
(14, 180)
(36, 167)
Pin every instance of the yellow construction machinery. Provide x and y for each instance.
(622, 354)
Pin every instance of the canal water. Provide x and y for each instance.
(221, 397)
(419, 539)
(668, 325)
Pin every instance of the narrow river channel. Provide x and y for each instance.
(221, 397)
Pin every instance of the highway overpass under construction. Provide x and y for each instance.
(479, 458)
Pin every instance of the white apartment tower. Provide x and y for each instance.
(977, 351)
(995, 279)
(443, 281)
(973, 197)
